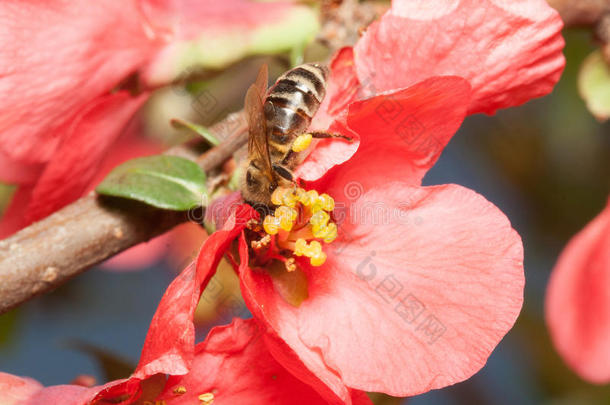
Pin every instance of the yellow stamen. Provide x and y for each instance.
(308, 198)
(277, 197)
(180, 390)
(319, 220)
(317, 210)
(271, 225)
(327, 233)
(326, 202)
(318, 259)
(300, 247)
(315, 248)
(301, 142)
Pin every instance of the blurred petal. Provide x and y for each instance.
(578, 301)
(16, 390)
(233, 363)
(423, 285)
(55, 57)
(509, 51)
(26, 391)
(402, 134)
(140, 256)
(233, 29)
(76, 162)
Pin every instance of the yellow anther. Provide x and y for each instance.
(287, 212)
(326, 202)
(331, 233)
(326, 233)
(300, 247)
(277, 197)
(290, 264)
(290, 198)
(319, 220)
(318, 259)
(286, 217)
(300, 194)
(315, 248)
(271, 225)
(301, 142)
(309, 198)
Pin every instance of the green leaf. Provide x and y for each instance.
(594, 85)
(168, 182)
(6, 193)
(196, 129)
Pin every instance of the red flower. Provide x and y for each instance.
(221, 371)
(67, 71)
(578, 301)
(509, 51)
(421, 283)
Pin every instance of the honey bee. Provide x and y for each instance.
(276, 120)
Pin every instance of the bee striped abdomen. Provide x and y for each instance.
(293, 101)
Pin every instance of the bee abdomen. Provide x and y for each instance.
(294, 99)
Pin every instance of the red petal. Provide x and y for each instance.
(57, 56)
(14, 172)
(510, 51)
(76, 162)
(170, 341)
(341, 90)
(233, 363)
(324, 381)
(402, 134)
(419, 290)
(578, 301)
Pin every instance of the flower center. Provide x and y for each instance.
(300, 224)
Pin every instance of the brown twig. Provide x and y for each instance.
(587, 13)
(578, 13)
(49, 252)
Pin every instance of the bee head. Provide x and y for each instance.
(257, 187)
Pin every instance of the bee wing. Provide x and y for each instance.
(258, 146)
(262, 80)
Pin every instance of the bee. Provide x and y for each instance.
(276, 119)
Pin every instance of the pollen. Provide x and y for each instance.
(207, 398)
(301, 142)
(285, 196)
(312, 250)
(301, 223)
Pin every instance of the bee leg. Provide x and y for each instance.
(322, 135)
(283, 172)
